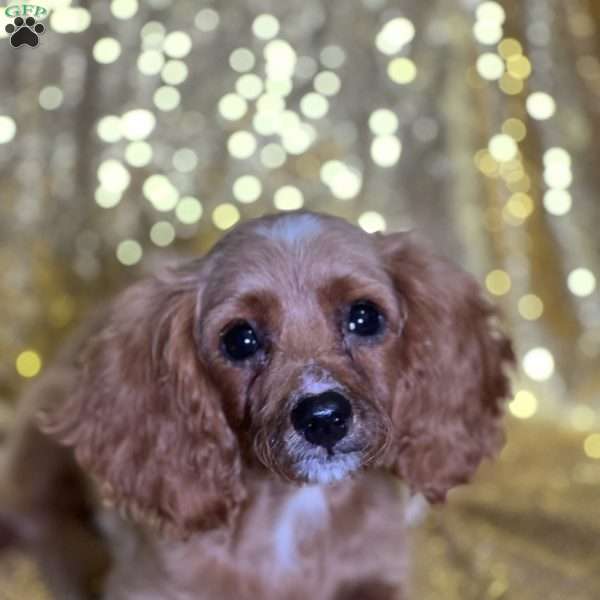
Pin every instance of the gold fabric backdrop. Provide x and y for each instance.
(137, 129)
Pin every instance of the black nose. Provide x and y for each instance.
(323, 419)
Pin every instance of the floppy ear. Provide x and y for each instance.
(144, 418)
(450, 361)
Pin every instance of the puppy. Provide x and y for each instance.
(236, 428)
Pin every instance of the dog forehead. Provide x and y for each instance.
(290, 261)
(292, 228)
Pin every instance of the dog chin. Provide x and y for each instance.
(328, 469)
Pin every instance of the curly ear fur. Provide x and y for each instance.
(144, 418)
(451, 371)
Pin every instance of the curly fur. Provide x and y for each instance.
(198, 455)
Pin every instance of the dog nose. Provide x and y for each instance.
(322, 419)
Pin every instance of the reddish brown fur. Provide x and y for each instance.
(196, 452)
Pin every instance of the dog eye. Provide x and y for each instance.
(364, 319)
(240, 342)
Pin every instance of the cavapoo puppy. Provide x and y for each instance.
(236, 428)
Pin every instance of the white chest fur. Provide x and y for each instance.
(304, 513)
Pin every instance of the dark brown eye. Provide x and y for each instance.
(364, 319)
(240, 342)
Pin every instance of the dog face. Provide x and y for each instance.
(300, 345)
(299, 332)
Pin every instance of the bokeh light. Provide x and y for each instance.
(241, 144)
(530, 307)
(402, 70)
(498, 282)
(383, 122)
(372, 221)
(581, 282)
(177, 44)
(232, 107)
(129, 252)
(386, 150)
(106, 50)
(189, 210)
(162, 233)
(265, 27)
(540, 105)
(394, 35)
(591, 445)
(225, 216)
(51, 97)
(138, 154)
(247, 189)
(524, 404)
(161, 193)
(288, 197)
(242, 60)
(538, 364)
(135, 124)
(207, 20)
(29, 364)
(167, 98)
(8, 129)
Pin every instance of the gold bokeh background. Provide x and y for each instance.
(139, 130)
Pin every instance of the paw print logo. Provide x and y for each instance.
(25, 32)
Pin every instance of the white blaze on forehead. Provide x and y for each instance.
(303, 514)
(292, 228)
